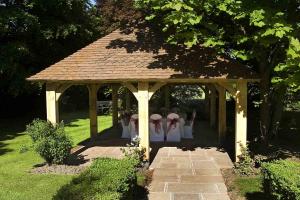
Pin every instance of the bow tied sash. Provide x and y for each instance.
(157, 125)
(172, 122)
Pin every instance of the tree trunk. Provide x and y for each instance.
(265, 107)
(277, 110)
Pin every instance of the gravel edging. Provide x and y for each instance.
(58, 169)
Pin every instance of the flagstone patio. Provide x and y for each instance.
(189, 170)
(189, 174)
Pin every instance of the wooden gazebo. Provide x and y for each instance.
(139, 60)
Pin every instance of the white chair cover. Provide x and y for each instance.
(188, 129)
(133, 126)
(125, 131)
(181, 127)
(173, 128)
(188, 132)
(156, 128)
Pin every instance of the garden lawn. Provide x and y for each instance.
(250, 187)
(15, 181)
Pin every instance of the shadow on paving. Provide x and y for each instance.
(204, 137)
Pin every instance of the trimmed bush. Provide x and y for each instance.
(106, 179)
(245, 165)
(49, 141)
(282, 179)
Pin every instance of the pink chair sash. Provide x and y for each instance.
(157, 124)
(172, 122)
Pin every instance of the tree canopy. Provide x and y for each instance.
(36, 33)
(261, 34)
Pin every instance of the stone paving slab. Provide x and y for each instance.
(189, 174)
(186, 196)
(191, 188)
(159, 196)
(201, 179)
(215, 196)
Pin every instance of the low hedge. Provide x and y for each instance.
(281, 179)
(105, 179)
(49, 141)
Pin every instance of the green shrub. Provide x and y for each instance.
(106, 179)
(245, 164)
(135, 153)
(281, 179)
(49, 141)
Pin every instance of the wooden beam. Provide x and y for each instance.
(167, 96)
(143, 107)
(229, 87)
(52, 103)
(154, 88)
(93, 89)
(240, 117)
(166, 80)
(206, 101)
(222, 115)
(218, 88)
(61, 89)
(213, 117)
(132, 88)
(115, 116)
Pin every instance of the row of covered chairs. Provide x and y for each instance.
(171, 129)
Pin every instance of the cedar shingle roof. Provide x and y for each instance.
(141, 55)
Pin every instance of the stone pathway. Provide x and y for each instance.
(189, 175)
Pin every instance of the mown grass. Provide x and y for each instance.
(249, 186)
(15, 180)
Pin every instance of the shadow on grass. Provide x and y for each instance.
(4, 149)
(71, 118)
(11, 128)
(257, 196)
(140, 192)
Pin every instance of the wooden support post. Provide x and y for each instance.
(206, 102)
(213, 107)
(222, 114)
(167, 96)
(93, 88)
(127, 100)
(143, 107)
(52, 103)
(240, 117)
(115, 89)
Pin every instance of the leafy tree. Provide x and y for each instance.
(117, 13)
(37, 33)
(261, 34)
